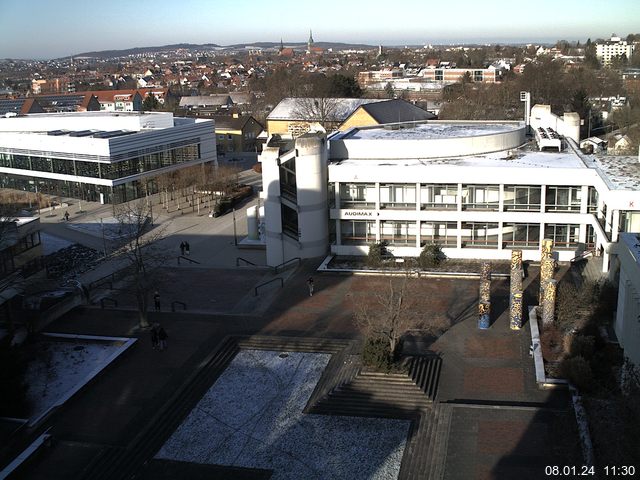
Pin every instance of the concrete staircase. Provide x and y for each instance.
(425, 453)
(389, 395)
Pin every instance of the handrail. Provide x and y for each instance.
(187, 258)
(255, 290)
(238, 259)
(176, 302)
(296, 259)
(109, 299)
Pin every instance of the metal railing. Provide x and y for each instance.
(247, 262)
(186, 258)
(582, 256)
(255, 290)
(175, 303)
(282, 266)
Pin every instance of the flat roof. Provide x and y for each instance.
(623, 172)
(429, 130)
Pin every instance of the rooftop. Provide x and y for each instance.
(622, 172)
(429, 130)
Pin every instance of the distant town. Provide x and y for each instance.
(320, 260)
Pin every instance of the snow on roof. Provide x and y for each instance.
(337, 108)
(623, 172)
(424, 131)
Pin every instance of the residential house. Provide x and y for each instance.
(236, 134)
(389, 111)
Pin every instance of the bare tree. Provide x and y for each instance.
(391, 309)
(321, 109)
(141, 251)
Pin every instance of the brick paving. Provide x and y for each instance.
(489, 368)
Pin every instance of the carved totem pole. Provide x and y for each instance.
(484, 305)
(515, 293)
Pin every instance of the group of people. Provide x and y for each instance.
(185, 248)
(158, 337)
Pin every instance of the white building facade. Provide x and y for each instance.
(99, 156)
(478, 189)
(612, 48)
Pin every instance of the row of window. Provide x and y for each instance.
(473, 197)
(110, 171)
(477, 234)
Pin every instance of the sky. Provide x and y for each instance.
(45, 29)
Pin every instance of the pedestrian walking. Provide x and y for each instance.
(154, 336)
(182, 248)
(162, 338)
(310, 285)
(156, 301)
(66, 216)
(187, 248)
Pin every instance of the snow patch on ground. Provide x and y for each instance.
(252, 417)
(59, 367)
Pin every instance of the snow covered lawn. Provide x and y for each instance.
(252, 417)
(63, 365)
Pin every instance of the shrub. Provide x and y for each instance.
(431, 256)
(579, 345)
(377, 252)
(377, 354)
(578, 372)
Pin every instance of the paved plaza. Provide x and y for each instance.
(500, 424)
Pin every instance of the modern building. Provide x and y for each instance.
(613, 48)
(479, 189)
(627, 327)
(99, 156)
(455, 75)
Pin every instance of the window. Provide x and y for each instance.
(563, 235)
(357, 232)
(439, 197)
(398, 233)
(289, 222)
(480, 197)
(398, 196)
(87, 169)
(229, 137)
(288, 188)
(592, 204)
(479, 234)
(563, 199)
(357, 195)
(591, 238)
(521, 235)
(522, 198)
(220, 137)
(63, 166)
(439, 75)
(477, 75)
(441, 233)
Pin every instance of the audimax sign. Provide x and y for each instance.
(360, 214)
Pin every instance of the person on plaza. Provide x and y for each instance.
(182, 248)
(156, 301)
(162, 338)
(310, 285)
(66, 216)
(154, 336)
(186, 248)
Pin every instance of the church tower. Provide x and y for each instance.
(310, 42)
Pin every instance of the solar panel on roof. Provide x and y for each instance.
(7, 106)
(111, 134)
(56, 133)
(81, 133)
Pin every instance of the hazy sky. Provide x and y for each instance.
(56, 28)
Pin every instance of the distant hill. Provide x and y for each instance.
(213, 46)
(139, 50)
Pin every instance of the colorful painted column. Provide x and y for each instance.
(515, 291)
(549, 303)
(484, 305)
(547, 267)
